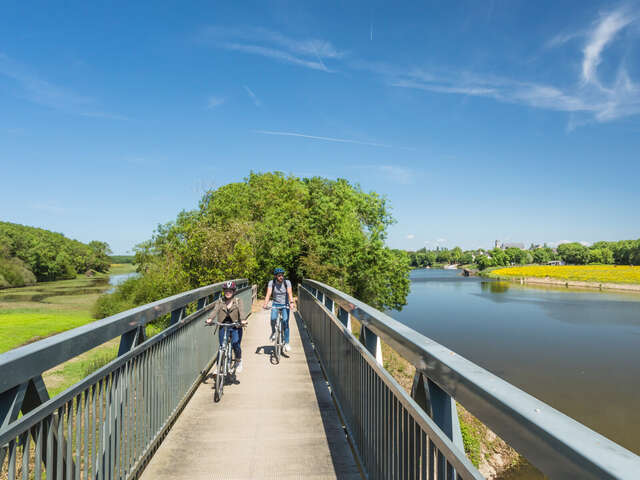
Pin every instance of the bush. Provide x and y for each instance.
(14, 273)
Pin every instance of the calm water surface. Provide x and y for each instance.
(577, 350)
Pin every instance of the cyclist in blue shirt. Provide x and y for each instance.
(280, 288)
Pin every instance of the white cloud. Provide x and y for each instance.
(325, 139)
(309, 53)
(254, 98)
(604, 32)
(411, 236)
(213, 102)
(41, 92)
(588, 97)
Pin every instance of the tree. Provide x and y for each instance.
(484, 261)
(542, 255)
(328, 230)
(466, 258)
(573, 253)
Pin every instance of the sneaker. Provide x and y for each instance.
(273, 337)
(238, 368)
(287, 347)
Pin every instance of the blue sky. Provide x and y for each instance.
(478, 121)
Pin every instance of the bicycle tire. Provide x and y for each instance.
(277, 345)
(217, 395)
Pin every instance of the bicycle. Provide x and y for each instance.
(223, 367)
(278, 340)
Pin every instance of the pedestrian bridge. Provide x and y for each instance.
(328, 410)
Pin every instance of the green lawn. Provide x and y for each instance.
(21, 326)
(119, 268)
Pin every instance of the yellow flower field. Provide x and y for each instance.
(581, 273)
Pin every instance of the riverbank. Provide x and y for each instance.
(601, 277)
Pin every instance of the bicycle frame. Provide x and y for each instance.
(224, 358)
(278, 343)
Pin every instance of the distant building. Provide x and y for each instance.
(506, 245)
(555, 263)
(519, 245)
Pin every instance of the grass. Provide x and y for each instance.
(71, 372)
(581, 273)
(120, 268)
(22, 326)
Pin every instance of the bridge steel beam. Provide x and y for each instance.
(555, 443)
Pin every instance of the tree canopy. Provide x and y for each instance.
(328, 230)
(28, 254)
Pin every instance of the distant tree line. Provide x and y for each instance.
(623, 252)
(29, 254)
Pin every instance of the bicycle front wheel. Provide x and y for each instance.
(220, 376)
(278, 346)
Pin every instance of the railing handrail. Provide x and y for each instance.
(23, 363)
(551, 440)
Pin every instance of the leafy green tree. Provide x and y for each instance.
(542, 255)
(499, 257)
(328, 230)
(50, 255)
(573, 253)
(484, 262)
(466, 258)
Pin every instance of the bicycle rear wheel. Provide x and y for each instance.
(217, 395)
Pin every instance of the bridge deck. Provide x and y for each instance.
(278, 422)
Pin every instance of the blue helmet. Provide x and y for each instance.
(278, 270)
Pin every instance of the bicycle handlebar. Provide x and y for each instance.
(224, 325)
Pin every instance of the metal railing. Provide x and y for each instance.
(107, 425)
(396, 435)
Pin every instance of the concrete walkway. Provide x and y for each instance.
(278, 422)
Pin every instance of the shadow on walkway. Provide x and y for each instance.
(343, 459)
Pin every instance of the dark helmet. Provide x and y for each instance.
(230, 285)
(278, 271)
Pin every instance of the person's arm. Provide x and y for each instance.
(213, 313)
(267, 296)
(292, 302)
(243, 321)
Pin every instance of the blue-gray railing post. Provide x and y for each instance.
(372, 343)
(177, 315)
(344, 317)
(442, 408)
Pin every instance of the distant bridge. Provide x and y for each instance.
(330, 410)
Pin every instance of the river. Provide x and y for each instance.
(577, 350)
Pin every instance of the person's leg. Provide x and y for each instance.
(285, 324)
(221, 335)
(274, 317)
(236, 338)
